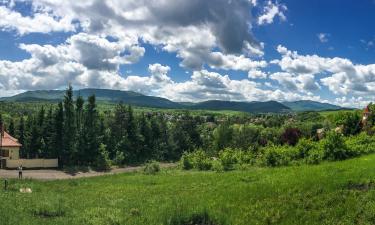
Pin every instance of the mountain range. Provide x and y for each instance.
(137, 99)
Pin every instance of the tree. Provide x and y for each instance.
(222, 136)
(11, 128)
(334, 147)
(91, 131)
(58, 138)
(22, 136)
(49, 150)
(70, 151)
(291, 136)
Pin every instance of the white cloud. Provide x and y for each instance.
(271, 11)
(323, 37)
(40, 22)
(339, 75)
(257, 74)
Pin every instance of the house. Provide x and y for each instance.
(10, 154)
(366, 115)
(9, 147)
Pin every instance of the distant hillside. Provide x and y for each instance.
(308, 105)
(254, 107)
(137, 99)
(127, 97)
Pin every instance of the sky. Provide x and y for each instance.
(193, 50)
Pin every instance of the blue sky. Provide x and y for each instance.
(240, 50)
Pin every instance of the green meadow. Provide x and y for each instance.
(330, 193)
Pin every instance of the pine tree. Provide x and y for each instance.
(80, 132)
(49, 150)
(11, 128)
(58, 139)
(70, 153)
(21, 137)
(91, 131)
(146, 139)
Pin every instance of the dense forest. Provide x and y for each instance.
(77, 133)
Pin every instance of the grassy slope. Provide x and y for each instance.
(289, 195)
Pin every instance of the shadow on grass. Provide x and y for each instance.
(197, 218)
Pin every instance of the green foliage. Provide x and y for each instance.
(334, 147)
(304, 146)
(102, 161)
(151, 168)
(315, 156)
(276, 156)
(196, 160)
(197, 218)
(119, 158)
(351, 122)
(228, 158)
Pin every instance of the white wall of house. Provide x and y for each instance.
(32, 163)
(14, 152)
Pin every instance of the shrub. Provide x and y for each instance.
(361, 144)
(186, 161)
(151, 167)
(197, 160)
(217, 166)
(276, 156)
(304, 146)
(119, 158)
(102, 161)
(291, 136)
(228, 158)
(334, 147)
(201, 160)
(315, 156)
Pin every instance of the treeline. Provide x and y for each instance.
(76, 133)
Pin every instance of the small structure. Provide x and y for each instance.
(9, 147)
(366, 115)
(320, 133)
(10, 154)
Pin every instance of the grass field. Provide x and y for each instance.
(330, 193)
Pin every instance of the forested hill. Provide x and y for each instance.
(308, 105)
(137, 99)
(255, 107)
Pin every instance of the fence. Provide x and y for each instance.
(32, 163)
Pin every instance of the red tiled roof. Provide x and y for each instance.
(9, 141)
(367, 110)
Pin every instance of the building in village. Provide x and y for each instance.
(10, 154)
(366, 115)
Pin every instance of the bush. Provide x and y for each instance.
(102, 161)
(217, 166)
(151, 167)
(291, 136)
(276, 156)
(186, 161)
(361, 144)
(334, 147)
(119, 158)
(228, 158)
(197, 160)
(315, 156)
(304, 146)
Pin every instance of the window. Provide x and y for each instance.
(5, 153)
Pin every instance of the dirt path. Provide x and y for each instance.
(50, 174)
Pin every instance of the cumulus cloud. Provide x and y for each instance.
(40, 22)
(271, 11)
(339, 75)
(323, 37)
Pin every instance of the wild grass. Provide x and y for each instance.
(331, 193)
